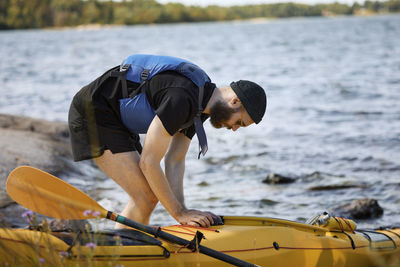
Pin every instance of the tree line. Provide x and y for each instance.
(23, 14)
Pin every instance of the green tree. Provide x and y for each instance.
(197, 13)
(355, 8)
(4, 4)
(15, 14)
(338, 8)
(145, 11)
(392, 5)
(91, 12)
(217, 13)
(67, 12)
(173, 12)
(107, 12)
(373, 6)
(28, 14)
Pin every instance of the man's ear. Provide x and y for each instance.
(235, 101)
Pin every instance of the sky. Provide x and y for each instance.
(248, 2)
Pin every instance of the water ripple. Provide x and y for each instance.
(332, 118)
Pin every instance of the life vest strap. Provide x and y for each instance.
(121, 74)
(144, 77)
(201, 136)
(198, 124)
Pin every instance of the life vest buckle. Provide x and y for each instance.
(144, 75)
(124, 68)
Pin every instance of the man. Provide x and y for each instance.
(107, 115)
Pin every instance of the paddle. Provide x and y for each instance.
(46, 194)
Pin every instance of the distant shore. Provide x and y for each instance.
(91, 27)
(99, 14)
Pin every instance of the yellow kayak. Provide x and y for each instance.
(261, 241)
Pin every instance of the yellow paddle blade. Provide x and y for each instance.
(48, 195)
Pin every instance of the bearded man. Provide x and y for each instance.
(168, 99)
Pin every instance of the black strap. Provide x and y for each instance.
(121, 74)
(157, 232)
(198, 124)
(195, 242)
(201, 136)
(144, 77)
(123, 70)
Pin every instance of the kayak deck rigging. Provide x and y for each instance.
(262, 241)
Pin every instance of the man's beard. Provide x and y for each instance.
(221, 113)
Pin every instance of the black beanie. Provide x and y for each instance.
(252, 97)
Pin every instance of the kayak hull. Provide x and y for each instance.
(261, 241)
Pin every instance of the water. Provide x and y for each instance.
(333, 87)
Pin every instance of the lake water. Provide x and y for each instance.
(333, 87)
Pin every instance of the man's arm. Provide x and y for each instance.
(155, 146)
(175, 164)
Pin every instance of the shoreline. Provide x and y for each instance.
(255, 20)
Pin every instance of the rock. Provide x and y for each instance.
(15, 220)
(68, 225)
(10, 216)
(268, 202)
(203, 184)
(274, 178)
(27, 141)
(359, 209)
(335, 187)
(35, 142)
(52, 128)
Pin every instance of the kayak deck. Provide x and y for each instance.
(262, 241)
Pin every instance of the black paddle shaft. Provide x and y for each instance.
(157, 232)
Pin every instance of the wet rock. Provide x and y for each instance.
(268, 202)
(203, 184)
(334, 187)
(213, 198)
(274, 178)
(366, 208)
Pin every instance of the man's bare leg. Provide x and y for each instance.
(124, 169)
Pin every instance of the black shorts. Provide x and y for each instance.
(94, 127)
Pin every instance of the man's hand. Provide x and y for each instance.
(197, 218)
